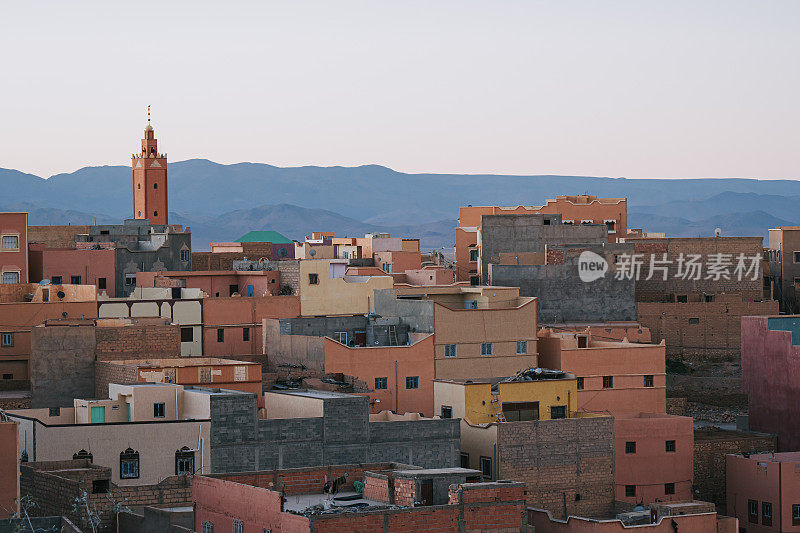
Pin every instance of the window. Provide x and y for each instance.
(412, 382)
(630, 491)
(129, 464)
(610, 226)
(240, 373)
(558, 411)
(187, 334)
(345, 255)
(232, 289)
(237, 526)
(473, 254)
(387, 267)
(204, 373)
(158, 410)
(474, 281)
(55, 280)
(752, 511)
(381, 383)
(10, 242)
(447, 411)
(486, 348)
(520, 411)
(75, 280)
(669, 488)
(583, 341)
(6, 340)
(207, 527)
(795, 514)
(708, 298)
(694, 321)
(449, 350)
(130, 280)
(486, 467)
(8, 376)
(630, 446)
(580, 383)
(155, 185)
(681, 298)
(220, 335)
(796, 254)
(766, 514)
(340, 336)
(101, 283)
(10, 277)
(522, 347)
(464, 460)
(670, 446)
(155, 213)
(313, 279)
(184, 462)
(648, 381)
(608, 382)
(546, 222)
(184, 255)
(83, 454)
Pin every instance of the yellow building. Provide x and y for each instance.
(326, 290)
(533, 394)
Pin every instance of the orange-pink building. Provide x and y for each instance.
(75, 266)
(427, 275)
(401, 377)
(397, 261)
(216, 282)
(578, 209)
(763, 491)
(13, 248)
(9, 467)
(613, 377)
(654, 458)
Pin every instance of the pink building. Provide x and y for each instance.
(654, 458)
(9, 467)
(216, 283)
(763, 491)
(14, 248)
(770, 366)
(76, 267)
(429, 275)
(398, 260)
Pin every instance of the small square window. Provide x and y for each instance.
(245, 334)
(682, 298)
(708, 298)
(412, 382)
(796, 256)
(449, 350)
(381, 383)
(486, 348)
(75, 280)
(10, 277)
(522, 347)
(694, 321)
(101, 283)
(55, 280)
(447, 411)
(8, 376)
(670, 446)
(220, 335)
(158, 410)
(187, 334)
(648, 381)
(6, 340)
(630, 491)
(558, 411)
(630, 446)
(608, 382)
(340, 336)
(669, 488)
(10, 242)
(579, 383)
(486, 467)
(474, 281)
(313, 279)
(130, 280)
(473, 254)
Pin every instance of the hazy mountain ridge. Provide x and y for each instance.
(221, 202)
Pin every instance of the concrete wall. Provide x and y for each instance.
(61, 365)
(241, 442)
(132, 259)
(563, 297)
(418, 314)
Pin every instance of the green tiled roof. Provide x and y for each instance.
(264, 236)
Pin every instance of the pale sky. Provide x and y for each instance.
(605, 88)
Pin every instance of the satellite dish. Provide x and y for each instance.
(44, 282)
(718, 232)
(64, 314)
(61, 295)
(312, 253)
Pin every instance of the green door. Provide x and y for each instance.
(98, 415)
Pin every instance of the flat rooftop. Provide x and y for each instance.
(178, 362)
(781, 457)
(530, 374)
(344, 502)
(308, 393)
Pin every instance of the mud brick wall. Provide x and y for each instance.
(106, 372)
(570, 459)
(156, 341)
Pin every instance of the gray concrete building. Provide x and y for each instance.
(312, 428)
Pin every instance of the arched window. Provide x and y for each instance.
(83, 454)
(155, 185)
(184, 462)
(155, 213)
(129, 464)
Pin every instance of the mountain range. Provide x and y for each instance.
(221, 202)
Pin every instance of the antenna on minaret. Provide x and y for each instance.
(148, 115)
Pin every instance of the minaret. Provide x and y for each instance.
(150, 179)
